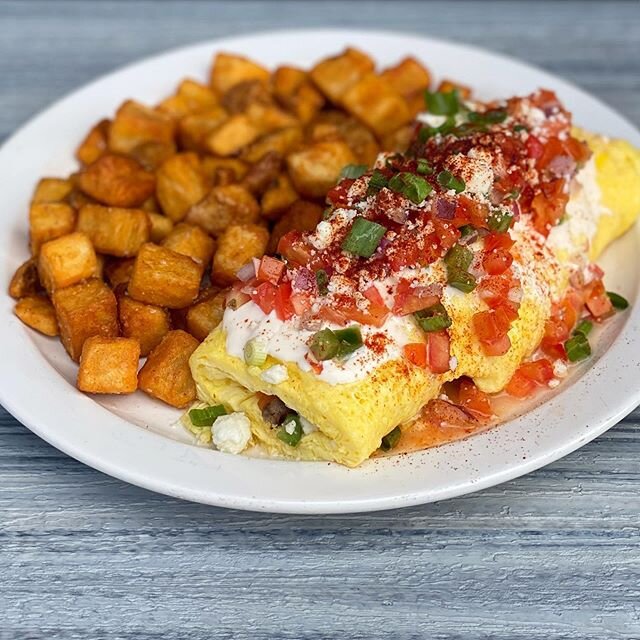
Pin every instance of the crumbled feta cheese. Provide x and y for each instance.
(290, 427)
(322, 236)
(276, 374)
(231, 433)
(307, 427)
(560, 369)
(453, 363)
(553, 383)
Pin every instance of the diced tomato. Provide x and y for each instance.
(284, 307)
(470, 212)
(555, 351)
(540, 370)
(447, 233)
(270, 270)
(498, 241)
(438, 353)
(235, 297)
(314, 364)
(372, 315)
(331, 314)
(552, 149)
(491, 328)
(520, 386)
(494, 290)
(372, 294)
(416, 353)
(264, 295)
(410, 299)
(301, 303)
(497, 347)
(548, 206)
(338, 196)
(294, 249)
(473, 400)
(578, 150)
(534, 147)
(597, 300)
(496, 261)
(564, 316)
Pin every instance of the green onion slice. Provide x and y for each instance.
(448, 126)
(449, 181)
(442, 103)
(520, 127)
(377, 181)
(353, 171)
(461, 280)
(350, 339)
(324, 345)
(433, 318)
(255, 353)
(466, 230)
(494, 116)
(577, 348)
(363, 237)
(322, 280)
(458, 257)
(206, 416)
(583, 327)
(290, 432)
(410, 186)
(499, 221)
(423, 167)
(618, 301)
(390, 441)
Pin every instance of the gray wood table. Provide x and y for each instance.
(551, 555)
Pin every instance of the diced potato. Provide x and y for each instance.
(191, 97)
(118, 272)
(399, 139)
(223, 206)
(51, 190)
(114, 231)
(293, 90)
(263, 173)
(163, 277)
(408, 77)
(166, 374)
(191, 241)
(283, 142)
(374, 101)
(269, 117)
(160, 226)
(180, 184)
(117, 181)
(242, 95)
(49, 220)
(109, 365)
(237, 132)
(151, 155)
(416, 104)
(448, 85)
(301, 216)
(316, 169)
(146, 323)
(77, 199)
(95, 143)
(335, 76)
(206, 314)
(195, 128)
(25, 281)
(229, 70)
(136, 124)
(337, 125)
(37, 312)
(101, 261)
(66, 260)
(278, 197)
(85, 310)
(211, 166)
(236, 246)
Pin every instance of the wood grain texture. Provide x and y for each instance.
(552, 555)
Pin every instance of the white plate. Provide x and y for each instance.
(136, 439)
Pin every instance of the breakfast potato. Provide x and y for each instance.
(25, 281)
(448, 85)
(282, 142)
(180, 184)
(166, 374)
(223, 206)
(49, 220)
(114, 231)
(408, 77)
(229, 70)
(160, 226)
(191, 241)
(191, 97)
(399, 139)
(263, 173)
(195, 128)
(335, 76)
(236, 246)
(300, 216)
(117, 181)
(146, 323)
(278, 197)
(109, 365)
(234, 134)
(118, 271)
(37, 312)
(315, 169)
(136, 124)
(150, 155)
(51, 190)
(95, 143)
(206, 314)
(84, 310)
(163, 277)
(66, 260)
(212, 167)
(294, 91)
(376, 103)
(242, 95)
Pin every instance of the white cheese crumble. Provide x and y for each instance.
(276, 374)
(453, 363)
(560, 369)
(307, 427)
(231, 433)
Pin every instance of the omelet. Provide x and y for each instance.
(347, 408)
